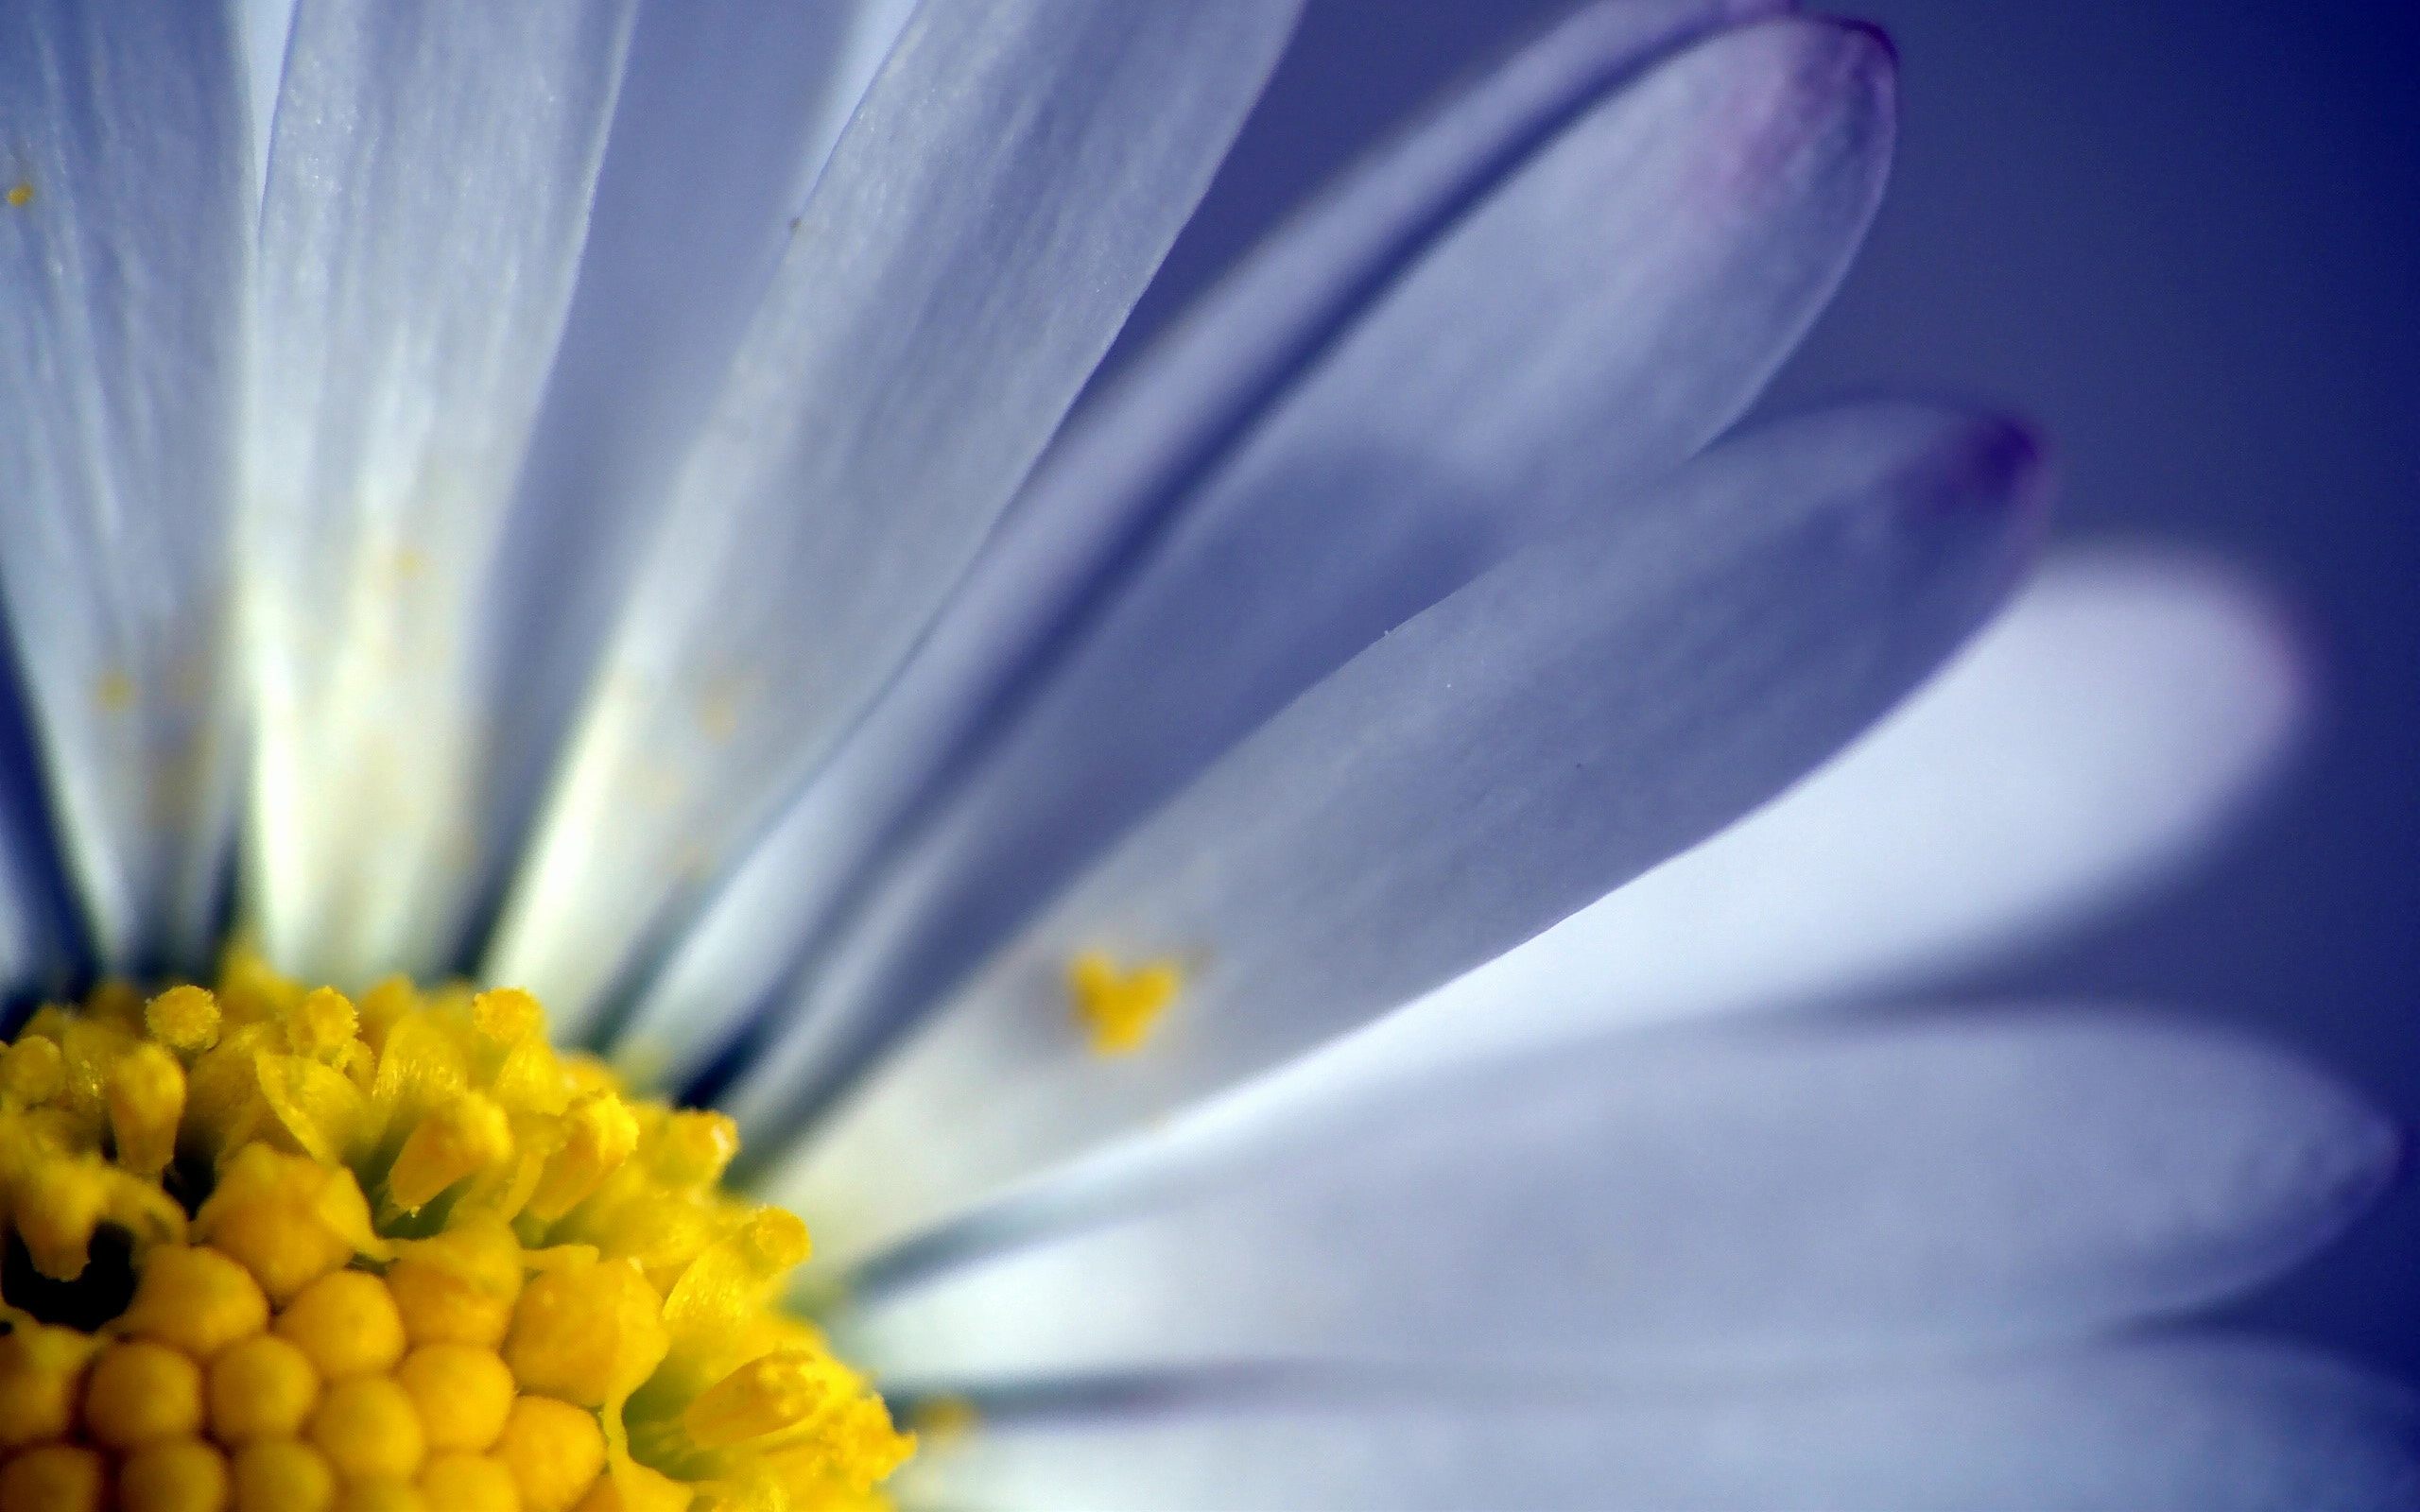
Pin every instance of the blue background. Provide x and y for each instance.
(2186, 238)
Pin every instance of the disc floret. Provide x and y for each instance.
(269, 1246)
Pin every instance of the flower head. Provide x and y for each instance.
(580, 497)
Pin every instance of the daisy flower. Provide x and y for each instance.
(581, 712)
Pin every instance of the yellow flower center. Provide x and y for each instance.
(270, 1249)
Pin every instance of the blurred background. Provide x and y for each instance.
(2183, 236)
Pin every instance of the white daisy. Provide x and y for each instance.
(573, 494)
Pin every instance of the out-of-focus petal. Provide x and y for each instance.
(1570, 719)
(1778, 1200)
(993, 211)
(126, 243)
(2184, 1426)
(429, 182)
(2108, 725)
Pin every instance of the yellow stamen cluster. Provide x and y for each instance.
(271, 1248)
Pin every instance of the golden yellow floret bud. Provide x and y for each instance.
(195, 1298)
(461, 1392)
(554, 1451)
(383, 1496)
(261, 1387)
(174, 1475)
(367, 1429)
(462, 1482)
(54, 1477)
(139, 1391)
(42, 1383)
(286, 1218)
(283, 1475)
(459, 1287)
(346, 1322)
(588, 1333)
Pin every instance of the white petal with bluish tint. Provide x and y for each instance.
(1012, 177)
(1567, 720)
(126, 243)
(1594, 322)
(428, 192)
(2108, 725)
(2191, 1425)
(1778, 1199)
(728, 112)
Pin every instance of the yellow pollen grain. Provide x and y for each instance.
(942, 1421)
(430, 1264)
(114, 691)
(1118, 1010)
(21, 195)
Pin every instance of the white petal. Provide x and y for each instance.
(1760, 1198)
(728, 112)
(125, 246)
(994, 208)
(1606, 309)
(1571, 718)
(2192, 1425)
(263, 26)
(428, 192)
(2107, 726)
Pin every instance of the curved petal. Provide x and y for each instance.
(1768, 1199)
(989, 215)
(1566, 721)
(2192, 1425)
(1544, 345)
(428, 192)
(125, 246)
(2107, 727)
